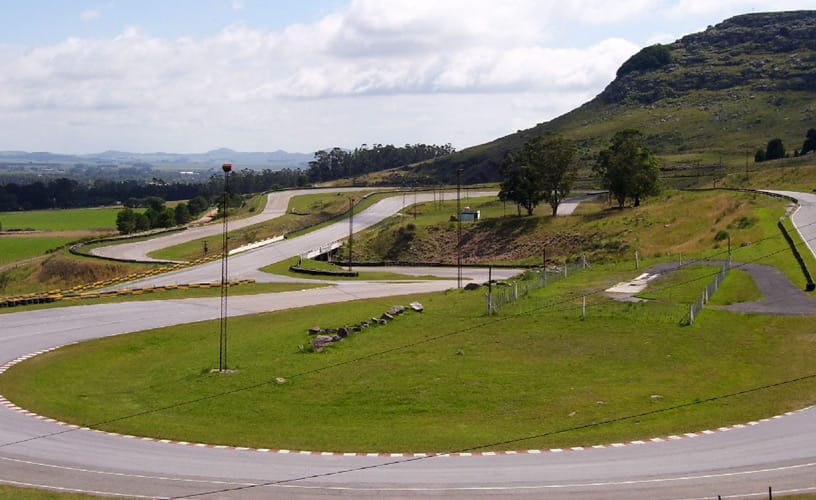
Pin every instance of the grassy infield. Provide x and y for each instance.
(535, 376)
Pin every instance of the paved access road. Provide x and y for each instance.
(742, 460)
(805, 217)
(276, 205)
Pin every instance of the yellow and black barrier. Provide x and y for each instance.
(82, 293)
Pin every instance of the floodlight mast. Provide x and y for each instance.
(222, 350)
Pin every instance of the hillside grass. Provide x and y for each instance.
(450, 378)
(62, 270)
(676, 225)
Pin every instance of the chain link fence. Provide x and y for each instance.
(501, 294)
(697, 306)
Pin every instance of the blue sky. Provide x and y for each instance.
(85, 76)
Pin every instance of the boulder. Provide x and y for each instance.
(396, 310)
(315, 330)
(472, 286)
(342, 332)
(416, 306)
(383, 321)
(387, 316)
(321, 341)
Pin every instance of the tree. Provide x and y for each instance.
(182, 214)
(627, 168)
(519, 185)
(649, 58)
(775, 150)
(810, 142)
(558, 169)
(126, 221)
(542, 171)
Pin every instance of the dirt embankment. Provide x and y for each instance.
(514, 240)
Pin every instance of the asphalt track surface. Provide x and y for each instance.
(740, 461)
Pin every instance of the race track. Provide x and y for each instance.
(34, 451)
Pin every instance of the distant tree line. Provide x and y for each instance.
(337, 163)
(157, 214)
(775, 148)
(70, 193)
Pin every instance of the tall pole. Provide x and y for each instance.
(222, 350)
(458, 228)
(351, 229)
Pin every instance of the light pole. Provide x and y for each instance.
(458, 229)
(351, 229)
(222, 350)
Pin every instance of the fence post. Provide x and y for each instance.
(515, 292)
(583, 307)
(691, 314)
(637, 260)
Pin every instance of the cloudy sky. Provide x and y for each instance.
(84, 76)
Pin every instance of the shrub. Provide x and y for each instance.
(649, 58)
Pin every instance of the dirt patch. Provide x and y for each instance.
(58, 269)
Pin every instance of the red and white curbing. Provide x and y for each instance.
(674, 437)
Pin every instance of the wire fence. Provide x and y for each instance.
(696, 307)
(501, 294)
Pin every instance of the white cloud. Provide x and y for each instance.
(90, 15)
(397, 70)
(238, 4)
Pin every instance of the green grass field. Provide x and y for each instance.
(79, 219)
(14, 248)
(535, 376)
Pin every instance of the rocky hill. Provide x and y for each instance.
(713, 96)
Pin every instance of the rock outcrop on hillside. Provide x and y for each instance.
(760, 52)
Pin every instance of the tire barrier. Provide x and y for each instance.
(79, 294)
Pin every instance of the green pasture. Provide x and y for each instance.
(75, 219)
(537, 375)
(14, 248)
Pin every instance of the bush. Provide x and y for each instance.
(721, 235)
(649, 58)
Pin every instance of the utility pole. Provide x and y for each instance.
(458, 228)
(351, 229)
(222, 350)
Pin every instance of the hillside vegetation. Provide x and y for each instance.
(722, 94)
